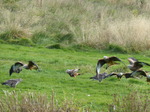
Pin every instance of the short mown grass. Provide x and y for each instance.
(52, 78)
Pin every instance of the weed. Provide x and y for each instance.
(29, 102)
(133, 102)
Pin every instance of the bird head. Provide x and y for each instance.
(20, 80)
(148, 76)
(105, 57)
(120, 74)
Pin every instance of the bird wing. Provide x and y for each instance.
(70, 71)
(128, 75)
(16, 67)
(75, 70)
(138, 73)
(114, 58)
(109, 75)
(32, 64)
(143, 63)
(19, 64)
(132, 60)
(100, 63)
(11, 70)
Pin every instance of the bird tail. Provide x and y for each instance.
(11, 71)
(3, 83)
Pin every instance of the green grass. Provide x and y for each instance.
(54, 62)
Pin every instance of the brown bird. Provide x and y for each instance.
(135, 64)
(17, 68)
(31, 65)
(107, 60)
(12, 82)
(73, 72)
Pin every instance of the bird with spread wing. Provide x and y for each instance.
(135, 64)
(118, 75)
(17, 67)
(73, 72)
(100, 76)
(137, 74)
(107, 60)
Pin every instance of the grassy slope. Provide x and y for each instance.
(54, 63)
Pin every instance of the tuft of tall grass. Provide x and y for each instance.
(133, 102)
(32, 102)
(95, 23)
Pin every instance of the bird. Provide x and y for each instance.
(127, 75)
(135, 64)
(107, 60)
(138, 73)
(17, 68)
(135, 74)
(119, 75)
(142, 73)
(100, 76)
(73, 72)
(31, 65)
(12, 82)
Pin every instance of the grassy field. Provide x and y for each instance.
(54, 62)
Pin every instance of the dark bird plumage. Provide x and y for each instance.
(12, 82)
(17, 68)
(128, 75)
(73, 72)
(118, 75)
(135, 74)
(100, 76)
(141, 73)
(135, 64)
(107, 60)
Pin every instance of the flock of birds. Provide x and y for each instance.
(17, 68)
(135, 67)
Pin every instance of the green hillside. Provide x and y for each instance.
(53, 63)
